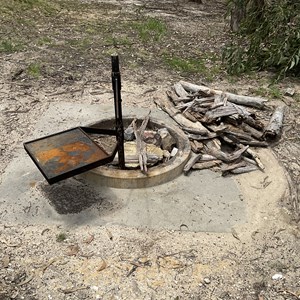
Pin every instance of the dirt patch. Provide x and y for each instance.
(63, 54)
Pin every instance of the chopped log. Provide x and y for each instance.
(140, 144)
(193, 159)
(206, 164)
(237, 99)
(273, 129)
(168, 107)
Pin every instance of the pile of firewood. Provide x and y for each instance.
(221, 126)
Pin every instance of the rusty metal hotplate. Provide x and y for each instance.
(66, 154)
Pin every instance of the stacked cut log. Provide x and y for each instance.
(221, 127)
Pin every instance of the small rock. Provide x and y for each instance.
(206, 280)
(289, 92)
(277, 276)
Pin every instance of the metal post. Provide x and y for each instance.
(116, 83)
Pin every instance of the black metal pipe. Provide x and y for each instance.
(116, 84)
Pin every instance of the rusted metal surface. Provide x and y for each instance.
(66, 154)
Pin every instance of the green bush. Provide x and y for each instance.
(268, 38)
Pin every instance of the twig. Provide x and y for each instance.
(72, 290)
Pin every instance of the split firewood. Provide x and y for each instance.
(140, 144)
(273, 129)
(206, 164)
(193, 159)
(256, 102)
(168, 107)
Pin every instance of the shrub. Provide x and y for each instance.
(268, 38)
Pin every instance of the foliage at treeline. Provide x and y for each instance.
(268, 37)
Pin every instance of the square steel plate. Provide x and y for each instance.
(65, 154)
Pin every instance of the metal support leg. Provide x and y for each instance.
(116, 83)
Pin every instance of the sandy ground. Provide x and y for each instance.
(117, 262)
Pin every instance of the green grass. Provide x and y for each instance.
(9, 46)
(150, 29)
(272, 91)
(61, 237)
(185, 65)
(34, 70)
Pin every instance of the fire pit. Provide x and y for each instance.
(110, 176)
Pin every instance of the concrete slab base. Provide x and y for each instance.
(203, 201)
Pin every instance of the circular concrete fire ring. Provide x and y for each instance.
(129, 178)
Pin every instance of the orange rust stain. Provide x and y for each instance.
(66, 159)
